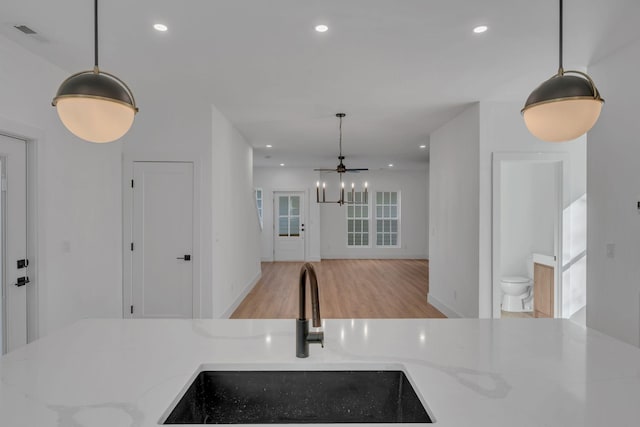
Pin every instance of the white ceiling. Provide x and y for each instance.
(398, 68)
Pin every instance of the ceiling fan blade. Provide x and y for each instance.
(325, 170)
(357, 169)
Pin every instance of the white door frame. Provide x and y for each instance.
(33, 137)
(127, 229)
(303, 219)
(564, 178)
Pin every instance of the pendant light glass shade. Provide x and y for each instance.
(95, 106)
(563, 107)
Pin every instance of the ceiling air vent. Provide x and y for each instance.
(24, 29)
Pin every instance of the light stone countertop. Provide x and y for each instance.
(544, 259)
(512, 372)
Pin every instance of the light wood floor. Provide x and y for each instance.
(348, 289)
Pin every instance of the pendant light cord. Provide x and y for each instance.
(340, 136)
(560, 68)
(95, 33)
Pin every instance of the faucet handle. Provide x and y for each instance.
(316, 338)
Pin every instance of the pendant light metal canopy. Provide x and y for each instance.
(564, 107)
(94, 105)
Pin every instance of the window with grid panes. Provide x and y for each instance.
(289, 216)
(387, 218)
(357, 219)
(259, 201)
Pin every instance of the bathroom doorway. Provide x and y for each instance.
(528, 200)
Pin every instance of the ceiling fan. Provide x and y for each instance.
(341, 168)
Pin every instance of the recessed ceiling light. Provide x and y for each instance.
(322, 28)
(281, 164)
(423, 146)
(390, 165)
(160, 27)
(269, 146)
(480, 29)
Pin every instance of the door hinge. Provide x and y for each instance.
(131, 245)
(22, 263)
(132, 185)
(131, 309)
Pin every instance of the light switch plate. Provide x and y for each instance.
(611, 250)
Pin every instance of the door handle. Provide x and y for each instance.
(185, 258)
(22, 281)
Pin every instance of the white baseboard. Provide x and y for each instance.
(445, 309)
(311, 259)
(242, 296)
(375, 256)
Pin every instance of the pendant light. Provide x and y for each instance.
(340, 169)
(94, 105)
(563, 107)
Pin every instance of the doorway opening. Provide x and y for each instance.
(530, 192)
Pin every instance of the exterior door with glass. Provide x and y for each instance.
(288, 226)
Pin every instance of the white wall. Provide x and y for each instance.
(426, 217)
(413, 211)
(289, 179)
(613, 282)
(80, 190)
(460, 247)
(236, 232)
(453, 215)
(78, 199)
(190, 129)
(503, 130)
(326, 223)
(179, 130)
(529, 207)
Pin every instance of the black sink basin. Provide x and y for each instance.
(300, 397)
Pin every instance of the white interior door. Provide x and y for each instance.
(288, 232)
(162, 240)
(14, 242)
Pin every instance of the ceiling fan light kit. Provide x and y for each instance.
(341, 201)
(94, 105)
(340, 169)
(564, 107)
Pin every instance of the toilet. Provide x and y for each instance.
(517, 291)
(517, 295)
